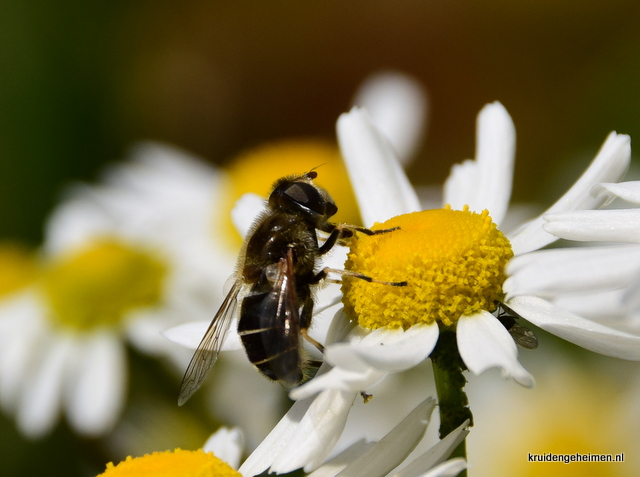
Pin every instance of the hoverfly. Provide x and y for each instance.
(523, 336)
(278, 266)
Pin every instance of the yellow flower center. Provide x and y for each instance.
(257, 169)
(17, 267)
(96, 286)
(179, 463)
(453, 261)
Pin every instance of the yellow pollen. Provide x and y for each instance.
(97, 286)
(257, 169)
(179, 463)
(18, 267)
(453, 261)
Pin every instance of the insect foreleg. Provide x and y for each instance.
(322, 274)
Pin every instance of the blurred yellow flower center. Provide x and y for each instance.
(96, 286)
(17, 267)
(179, 463)
(453, 261)
(257, 169)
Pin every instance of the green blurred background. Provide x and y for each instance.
(80, 81)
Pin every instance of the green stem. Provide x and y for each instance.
(452, 400)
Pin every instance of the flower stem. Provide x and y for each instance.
(450, 382)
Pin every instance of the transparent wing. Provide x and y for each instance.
(280, 310)
(523, 336)
(207, 353)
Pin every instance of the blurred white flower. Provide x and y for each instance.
(102, 279)
(537, 279)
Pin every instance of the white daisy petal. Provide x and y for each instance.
(598, 305)
(394, 447)
(628, 191)
(333, 466)
(553, 272)
(38, 410)
(451, 468)
(397, 104)
(595, 225)
(486, 182)
(339, 379)
(631, 296)
(437, 454)
(304, 437)
(609, 165)
(227, 445)
(387, 349)
(384, 191)
(246, 211)
(485, 343)
(95, 395)
(190, 335)
(578, 330)
(21, 332)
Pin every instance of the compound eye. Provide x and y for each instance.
(307, 196)
(331, 209)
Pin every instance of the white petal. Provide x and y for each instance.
(451, 468)
(336, 464)
(339, 379)
(595, 225)
(553, 272)
(379, 182)
(394, 447)
(22, 333)
(397, 104)
(304, 437)
(95, 395)
(246, 211)
(385, 349)
(189, 335)
(598, 305)
(577, 330)
(486, 182)
(485, 343)
(437, 454)
(629, 191)
(40, 404)
(609, 165)
(631, 296)
(227, 445)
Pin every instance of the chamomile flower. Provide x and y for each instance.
(460, 267)
(221, 455)
(100, 280)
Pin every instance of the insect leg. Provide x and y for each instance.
(322, 274)
(305, 321)
(337, 232)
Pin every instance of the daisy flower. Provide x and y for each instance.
(100, 280)
(221, 454)
(461, 269)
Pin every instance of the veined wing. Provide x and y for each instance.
(207, 353)
(280, 322)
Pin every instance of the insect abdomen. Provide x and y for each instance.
(271, 347)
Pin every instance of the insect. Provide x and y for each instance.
(523, 336)
(278, 266)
